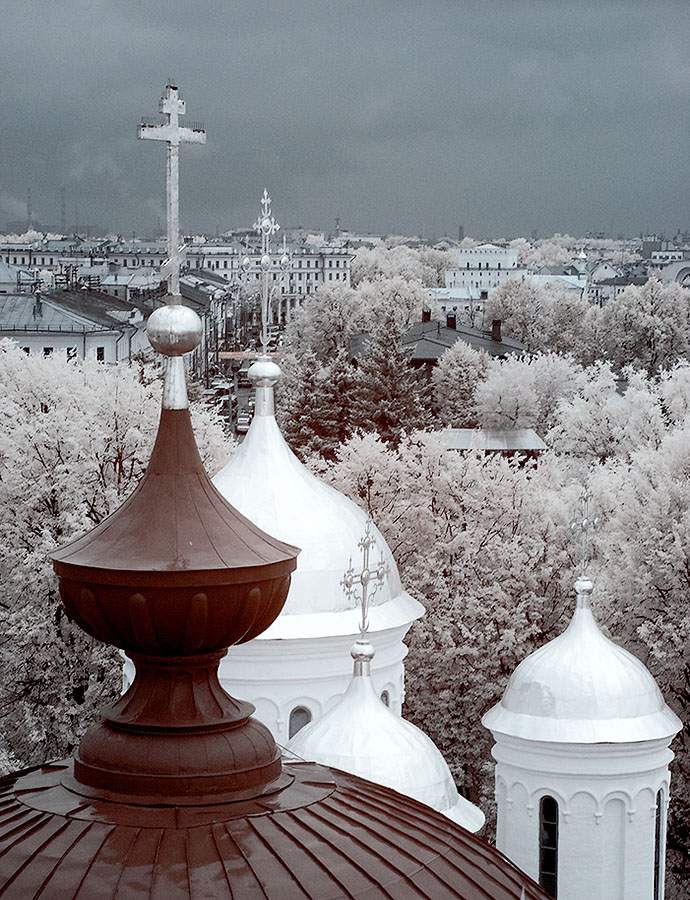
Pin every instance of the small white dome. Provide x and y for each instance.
(266, 482)
(362, 736)
(582, 688)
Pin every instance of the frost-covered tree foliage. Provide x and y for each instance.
(455, 380)
(555, 251)
(74, 440)
(314, 408)
(401, 298)
(326, 322)
(485, 543)
(525, 392)
(598, 423)
(427, 266)
(648, 326)
(322, 398)
(549, 318)
(389, 395)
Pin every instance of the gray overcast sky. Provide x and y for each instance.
(500, 115)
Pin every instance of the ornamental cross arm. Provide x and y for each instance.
(266, 225)
(369, 579)
(170, 131)
(173, 134)
(585, 526)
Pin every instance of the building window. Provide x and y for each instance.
(27, 350)
(548, 845)
(385, 698)
(100, 354)
(659, 848)
(71, 353)
(299, 717)
(47, 351)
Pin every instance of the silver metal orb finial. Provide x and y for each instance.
(174, 329)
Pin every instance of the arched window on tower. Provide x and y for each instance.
(548, 845)
(385, 698)
(299, 717)
(659, 848)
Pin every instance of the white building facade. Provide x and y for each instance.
(480, 271)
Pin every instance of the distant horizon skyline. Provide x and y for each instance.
(99, 231)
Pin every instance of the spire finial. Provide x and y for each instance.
(585, 525)
(173, 329)
(266, 226)
(174, 134)
(369, 581)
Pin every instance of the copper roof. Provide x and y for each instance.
(174, 526)
(327, 836)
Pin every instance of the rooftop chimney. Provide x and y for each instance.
(426, 315)
(451, 322)
(496, 330)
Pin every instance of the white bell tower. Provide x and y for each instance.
(582, 781)
(582, 753)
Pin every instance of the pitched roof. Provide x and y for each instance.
(428, 341)
(62, 311)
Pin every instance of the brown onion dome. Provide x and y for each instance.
(177, 792)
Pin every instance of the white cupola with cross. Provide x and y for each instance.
(299, 667)
(582, 752)
(362, 736)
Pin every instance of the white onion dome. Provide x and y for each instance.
(582, 688)
(266, 482)
(360, 735)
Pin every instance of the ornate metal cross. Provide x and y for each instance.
(173, 134)
(364, 578)
(266, 226)
(585, 525)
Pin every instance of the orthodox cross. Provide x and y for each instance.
(266, 226)
(585, 525)
(364, 578)
(173, 134)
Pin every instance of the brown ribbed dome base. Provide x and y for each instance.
(176, 737)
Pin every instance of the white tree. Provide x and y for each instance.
(507, 398)
(455, 380)
(648, 327)
(599, 422)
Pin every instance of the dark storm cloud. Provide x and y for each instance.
(392, 115)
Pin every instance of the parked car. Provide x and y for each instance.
(244, 420)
